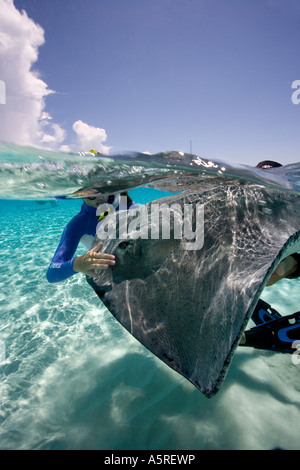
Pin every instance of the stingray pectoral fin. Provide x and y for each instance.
(192, 311)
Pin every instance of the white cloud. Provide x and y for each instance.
(58, 135)
(87, 137)
(23, 119)
(20, 117)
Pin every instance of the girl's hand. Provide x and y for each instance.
(92, 260)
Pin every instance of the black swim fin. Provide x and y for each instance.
(263, 313)
(281, 335)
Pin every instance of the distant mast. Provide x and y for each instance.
(191, 146)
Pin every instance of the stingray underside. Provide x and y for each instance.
(188, 297)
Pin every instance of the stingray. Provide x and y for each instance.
(187, 296)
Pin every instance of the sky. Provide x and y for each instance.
(211, 76)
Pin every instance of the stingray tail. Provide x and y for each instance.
(281, 334)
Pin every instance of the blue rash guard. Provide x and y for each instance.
(84, 223)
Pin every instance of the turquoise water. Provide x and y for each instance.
(72, 378)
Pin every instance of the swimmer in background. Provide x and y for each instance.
(272, 331)
(290, 266)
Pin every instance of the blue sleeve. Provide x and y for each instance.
(61, 266)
